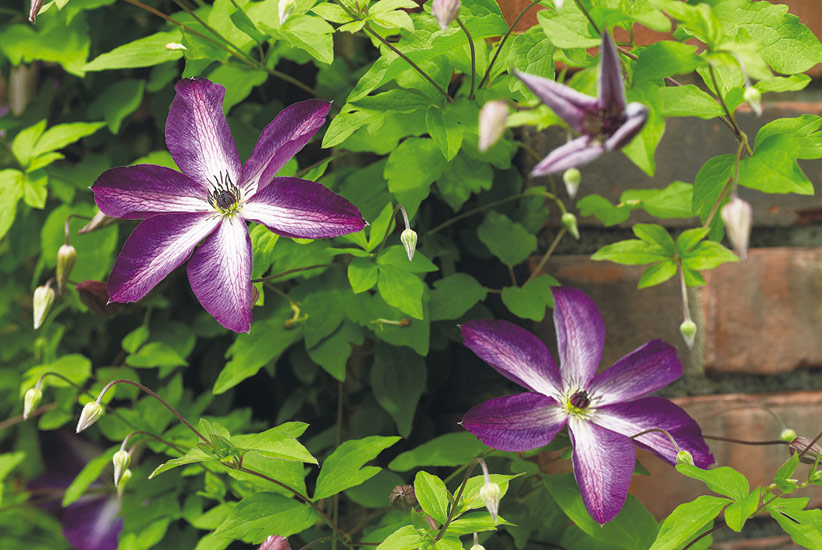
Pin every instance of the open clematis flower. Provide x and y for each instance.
(211, 200)
(604, 412)
(605, 122)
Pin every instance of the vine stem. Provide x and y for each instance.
(453, 509)
(289, 272)
(502, 43)
(739, 152)
(492, 204)
(588, 16)
(390, 227)
(746, 442)
(547, 255)
(473, 55)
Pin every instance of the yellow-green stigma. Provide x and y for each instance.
(577, 404)
(224, 195)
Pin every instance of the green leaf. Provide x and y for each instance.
(657, 274)
(709, 182)
(452, 449)
(345, 468)
(642, 148)
(34, 189)
(306, 32)
(333, 352)
(787, 469)
(242, 22)
(432, 496)
(398, 381)
(471, 498)
(724, 480)
(134, 339)
(238, 82)
(401, 289)
(156, 354)
(74, 367)
(461, 178)
(193, 456)
(143, 52)
(603, 210)
(54, 39)
(630, 252)
(773, 168)
(23, 144)
(803, 129)
(804, 526)
(260, 514)
(707, 255)
(411, 169)
(568, 27)
(362, 274)
(738, 513)
(655, 234)
(663, 59)
(404, 538)
(88, 475)
(532, 299)
(117, 101)
(673, 201)
(61, 135)
(689, 239)
(697, 20)
(395, 256)
(278, 442)
(507, 240)
(687, 520)
(11, 189)
(371, 112)
(445, 131)
(454, 295)
(688, 100)
(532, 54)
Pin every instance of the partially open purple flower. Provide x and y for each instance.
(606, 122)
(602, 411)
(211, 200)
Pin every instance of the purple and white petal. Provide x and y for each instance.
(637, 115)
(153, 250)
(653, 365)
(611, 85)
(144, 190)
(518, 422)
(93, 523)
(569, 104)
(515, 353)
(577, 152)
(220, 274)
(293, 207)
(648, 413)
(280, 140)
(197, 133)
(580, 336)
(603, 466)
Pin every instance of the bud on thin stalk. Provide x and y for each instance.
(570, 223)
(738, 218)
(572, 178)
(121, 461)
(684, 457)
(688, 331)
(66, 258)
(285, 9)
(124, 479)
(409, 241)
(41, 303)
(753, 97)
(30, 401)
(477, 545)
(445, 11)
(91, 414)
(492, 120)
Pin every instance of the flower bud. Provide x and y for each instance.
(275, 542)
(787, 435)
(490, 494)
(94, 294)
(570, 223)
(738, 218)
(492, 123)
(477, 547)
(35, 9)
(66, 257)
(409, 241)
(124, 479)
(121, 461)
(403, 497)
(175, 46)
(42, 301)
(445, 11)
(688, 331)
(684, 457)
(30, 401)
(91, 414)
(285, 9)
(572, 178)
(799, 444)
(753, 97)
(816, 477)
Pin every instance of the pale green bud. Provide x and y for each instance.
(738, 218)
(787, 435)
(753, 97)
(121, 461)
(688, 331)
(409, 241)
(66, 258)
(558, 4)
(173, 46)
(570, 223)
(124, 479)
(490, 495)
(285, 9)
(477, 547)
(684, 457)
(445, 11)
(91, 414)
(492, 120)
(42, 301)
(30, 401)
(572, 178)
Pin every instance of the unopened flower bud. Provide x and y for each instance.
(403, 497)
(477, 547)
(738, 218)
(121, 461)
(490, 494)
(409, 241)
(94, 294)
(445, 11)
(787, 435)
(688, 331)
(175, 46)
(572, 178)
(799, 445)
(684, 457)
(275, 542)
(30, 401)
(285, 9)
(492, 123)
(570, 223)
(816, 477)
(753, 97)
(41, 304)
(66, 257)
(35, 9)
(124, 479)
(558, 4)
(91, 414)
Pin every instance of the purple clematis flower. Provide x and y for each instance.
(605, 122)
(602, 411)
(211, 200)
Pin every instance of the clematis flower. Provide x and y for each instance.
(603, 412)
(211, 200)
(606, 122)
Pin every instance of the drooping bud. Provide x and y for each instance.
(445, 11)
(285, 9)
(558, 4)
(490, 494)
(476, 545)
(492, 123)
(91, 414)
(799, 444)
(787, 435)
(688, 331)
(753, 97)
(572, 178)
(174, 46)
(98, 221)
(121, 461)
(738, 218)
(30, 401)
(124, 479)
(275, 542)
(66, 257)
(94, 294)
(570, 223)
(35, 9)
(409, 241)
(41, 303)
(684, 457)
(403, 497)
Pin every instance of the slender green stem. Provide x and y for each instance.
(9, 422)
(335, 514)
(456, 502)
(390, 227)
(502, 42)
(588, 16)
(745, 442)
(731, 181)
(237, 51)
(547, 255)
(492, 204)
(686, 307)
(289, 272)
(473, 55)
(154, 437)
(740, 135)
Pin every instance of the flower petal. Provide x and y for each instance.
(656, 412)
(569, 104)
(518, 422)
(300, 208)
(580, 336)
(515, 353)
(153, 250)
(637, 115)
(611, 86)
(603, 467)
(282, 139)
(646, 369)
(136, 192)
(197, 133)
(220, 274)
(93, 523)
(577, 152)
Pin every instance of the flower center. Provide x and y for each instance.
(580, 400)
(224, 194)
(578, 403)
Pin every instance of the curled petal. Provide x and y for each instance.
(518, 422)
(137, 192)
(637, 115)
(197, 133)
(569, 104)
(577, 152)
(300, 208)
(282, 139)
(603, 467)
(580, 336)
(651, 366)
(515, 353)
(153, 250)
(220, 274)
(648, 413)
(611, 86)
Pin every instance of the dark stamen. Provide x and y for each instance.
(224, 194)
(580, 400)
